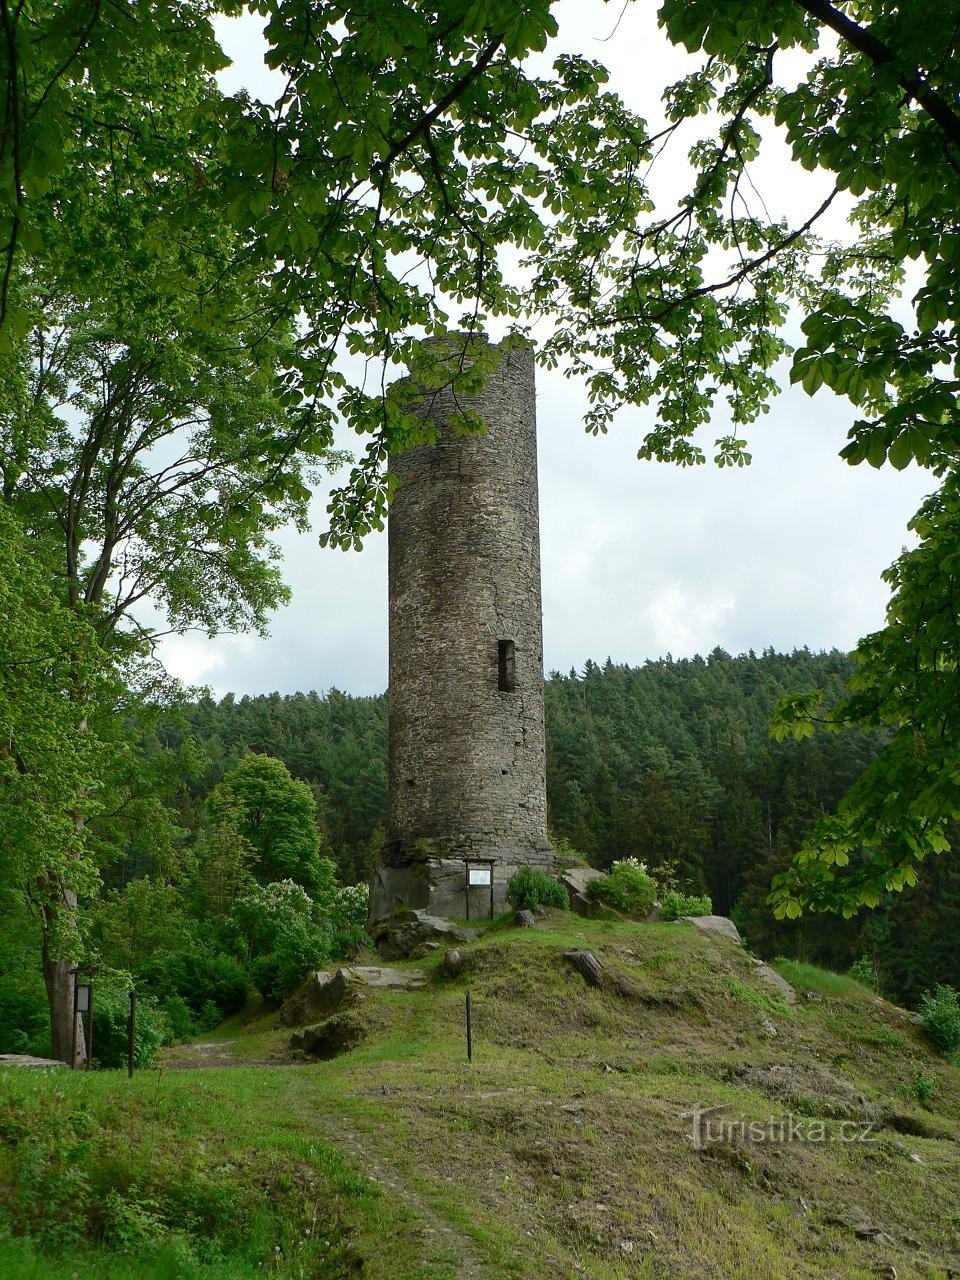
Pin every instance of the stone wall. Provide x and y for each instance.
(467, 769)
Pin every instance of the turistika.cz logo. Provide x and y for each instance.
(708, 1125)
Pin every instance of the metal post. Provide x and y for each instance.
(131, 1033)
(491, 890)
(466, 873)
(469, 1032)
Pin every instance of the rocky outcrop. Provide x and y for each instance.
(715, 924)
(328, 991)
(334, 1035)
(409, 933)
(774, 980)
(575, 881)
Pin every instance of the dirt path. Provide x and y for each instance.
(197, 1054)
(443, 1243)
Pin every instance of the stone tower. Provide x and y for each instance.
(467, 768)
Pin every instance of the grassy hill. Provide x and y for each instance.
(564, 1150)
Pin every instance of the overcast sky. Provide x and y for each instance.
(639, 558)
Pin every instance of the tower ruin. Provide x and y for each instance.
(467, 768)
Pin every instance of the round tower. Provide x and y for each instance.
(467, 767)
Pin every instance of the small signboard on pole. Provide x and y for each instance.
(478, 874)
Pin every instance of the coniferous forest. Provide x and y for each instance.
(239, 858)
(671, 762)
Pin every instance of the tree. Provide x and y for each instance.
(277, 818)
(56, 690)
(148, 444)
(411, 145)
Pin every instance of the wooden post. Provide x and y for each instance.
(90, 1026)
(73, 1040)
(469, 1031)
(131, 1034)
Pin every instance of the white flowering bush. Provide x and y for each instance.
(350, 906)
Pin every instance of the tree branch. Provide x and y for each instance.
(863, 39)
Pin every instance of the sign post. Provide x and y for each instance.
(479, 874)
(82, 1004)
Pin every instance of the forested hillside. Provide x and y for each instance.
(238, 856)
(671, 762)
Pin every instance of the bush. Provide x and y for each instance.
(940, 1018)
(675, 905)
(111, 1010)
(530, 888)
(24, 1015)
(629, 888)
(181, 1020)
(198, 977)
(864, 971)
(299, 949)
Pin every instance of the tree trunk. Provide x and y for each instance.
(59, 982)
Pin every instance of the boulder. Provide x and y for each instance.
(715, 924)
(575, 881)
(327, 991)
(775, 980)
(328, 1039)
(402, 934)
(525, 919)
(452, 963)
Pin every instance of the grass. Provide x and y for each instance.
(561, 1152)
(808, 977)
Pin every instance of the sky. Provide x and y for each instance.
(640, 559)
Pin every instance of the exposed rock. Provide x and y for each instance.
(28, 1060)
(587, 964)
(796, 1083)
(331, 1037)
(715, 924)
(325, 992)
(452, 963)
(525, 919)
(576, 879)
(580, 904)
(775, 980)
(768, 1029)
(813, 997)
(655, 915)
(399, 936)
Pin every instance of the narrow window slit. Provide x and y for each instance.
(506, 666)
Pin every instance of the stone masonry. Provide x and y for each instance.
(467, 769)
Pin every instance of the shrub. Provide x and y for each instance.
(864, 971)
(24, 1017)
(198, 977)
(301, 947)
(940, 1018)
(111, 1010)
(629, 888)
(530, 888)
(922, 1088)
(181, 1020)
(675, 905)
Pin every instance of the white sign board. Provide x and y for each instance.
(83, 998)
(478, 875)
